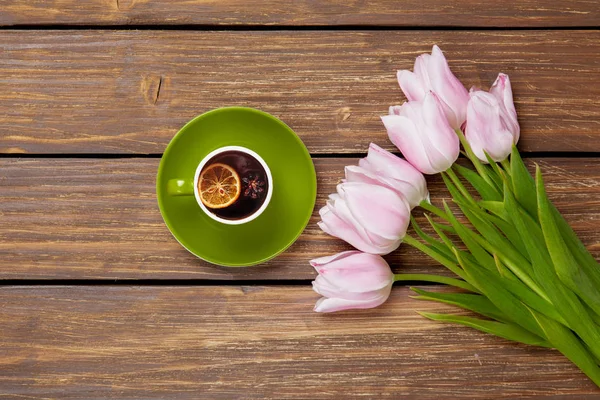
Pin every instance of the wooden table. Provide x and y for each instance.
(99, 301)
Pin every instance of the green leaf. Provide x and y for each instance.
(509, 231)
(443, 227)
(458, 184)
(502, 270)
(528, 231)
(534, 300)
(567, 343)
(523, 293)
(595, 317)
(506, 170)
(432, 209)
(503, 330)
(496, 208)
(522, 182)
(530, 234)
(497, 174)
(519, 266)
(436, 279)
(565, 302)
(493, 287)
(433, 243)
(465, 235)
(452, 266)
(579, 251)
(473, 302)
(476, 162)
(456, 194)
(485, 190)
(496, 243)
(567, 269)
(439, 229)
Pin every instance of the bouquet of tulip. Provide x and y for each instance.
(518, 263)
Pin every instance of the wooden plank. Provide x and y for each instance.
(130, 91)
(441, 13)
(256, 342)
(98, 219)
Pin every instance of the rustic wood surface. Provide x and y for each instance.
(98, 219)
(130, 91)
(93, 90)
(486, 13)
(255, 342)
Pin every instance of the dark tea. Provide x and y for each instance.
(233, 185)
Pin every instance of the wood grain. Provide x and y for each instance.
(486, 13)
(98, 219)
(130, 91)
(256, 342)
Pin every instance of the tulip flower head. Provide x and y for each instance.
(432, 73)
(351, 280)
(371, 218)
(492, 124)
(422, 133)
(381, 167)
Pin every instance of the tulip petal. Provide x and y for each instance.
(422, 133)
(378, 209)
(486, 128)
(323, 287)
(394, 110)
(358, 272)
(441, 136)
(411, 85)
(404, 134)
(448, 88)
(336, 304)
(384, 245)
(411, 194)
(502, 90)
(340, 209)
(335, 226)
(351, 279)
(355, 173)
(382, 161)
(421, 70)
(405, 178)
(318, 262)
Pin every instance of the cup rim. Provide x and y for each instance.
(246, 151)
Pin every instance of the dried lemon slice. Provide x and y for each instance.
(219, 186)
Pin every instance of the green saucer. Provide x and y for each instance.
(294, 187)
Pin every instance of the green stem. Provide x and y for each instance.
(433, 209)
(476, 162)
(452, 266)
(506, 165)
(463, 190)
(435, 279)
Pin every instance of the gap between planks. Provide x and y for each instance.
(178, 282)
(524, 154)
(267, 28)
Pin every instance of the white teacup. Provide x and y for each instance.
(181, 187)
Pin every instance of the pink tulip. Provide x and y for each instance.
(432, 73)
(422, 133)
(381, 167)
(351, 280)
(371, 218)
(492, 124)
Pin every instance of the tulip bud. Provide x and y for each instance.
(351, 280)
(371, 218)
(422, 133)
(492, 124)
(432, 73)
(381, 167)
